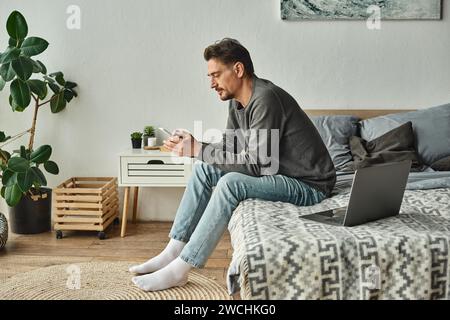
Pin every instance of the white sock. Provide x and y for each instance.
(175, 274)
(172, 250)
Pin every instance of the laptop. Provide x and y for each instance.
(376, 193)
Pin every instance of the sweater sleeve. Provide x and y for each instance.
(226, 143)
(259, 155)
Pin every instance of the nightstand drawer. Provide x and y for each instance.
(154, 170)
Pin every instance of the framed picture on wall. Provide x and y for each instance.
(360, 10)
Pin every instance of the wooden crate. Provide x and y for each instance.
(85, 203)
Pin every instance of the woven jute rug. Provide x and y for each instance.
(100, 281)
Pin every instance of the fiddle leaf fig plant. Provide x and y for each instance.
(20, 171)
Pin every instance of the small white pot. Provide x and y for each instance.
(151, 141)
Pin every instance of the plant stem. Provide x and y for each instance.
(17, 136)
(33, 126)
(2, 160)
(39, 105)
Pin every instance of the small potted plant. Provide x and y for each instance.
(136, 140)
(149, 136)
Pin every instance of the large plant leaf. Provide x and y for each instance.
(9, 55)
(55, 88)
(2, 191)
(68, 95)
(8, 178)
(14, 105)
(13, 195)
(59, 77)
(16, 25)
(36, 67)
(7, 72)
(18, 164)
(33, 46)
(43, 68)
(51, 167)
(58, 103)
(20, 92)
(70, 85)
(2, 83)
(11, 180)
(41, 154)
(39, 176)
(25, 180)
(38, 87)
(23, 67)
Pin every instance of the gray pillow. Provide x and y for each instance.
(431, 130)
(393, 146)
(441, 165)
(335, 132)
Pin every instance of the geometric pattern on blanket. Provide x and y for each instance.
(281, 256)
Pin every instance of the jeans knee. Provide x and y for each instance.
(200, 170)
(204, 172)
(233, 183)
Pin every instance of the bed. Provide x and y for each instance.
(278, 255)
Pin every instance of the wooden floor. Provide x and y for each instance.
(143, 240)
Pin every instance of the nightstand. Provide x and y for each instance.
(149, 168)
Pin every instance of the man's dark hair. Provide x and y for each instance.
(230, 51)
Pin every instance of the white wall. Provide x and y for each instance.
(140, 62)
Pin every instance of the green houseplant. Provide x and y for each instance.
(21, 171)
(149, 136)
(136, 140)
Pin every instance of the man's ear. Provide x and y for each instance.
(239, 69)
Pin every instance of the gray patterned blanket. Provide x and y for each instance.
(278, 255)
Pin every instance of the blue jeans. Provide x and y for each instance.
(203, 215)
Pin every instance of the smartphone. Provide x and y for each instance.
(166, 133)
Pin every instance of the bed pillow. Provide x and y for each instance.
(393, 146)
(431, 130)
(335, 132)
(441, 165)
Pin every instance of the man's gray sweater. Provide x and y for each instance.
(272, 135)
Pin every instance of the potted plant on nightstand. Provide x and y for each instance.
(136, 140)
(149, 136)
(21, 171)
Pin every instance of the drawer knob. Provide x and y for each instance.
(155, 162)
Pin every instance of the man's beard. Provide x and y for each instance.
(226, 97)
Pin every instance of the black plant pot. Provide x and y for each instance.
(32, 216)
(137, 143)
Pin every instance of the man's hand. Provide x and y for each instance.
(183, 144)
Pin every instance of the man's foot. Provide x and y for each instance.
(170, 253)
(175, 274)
